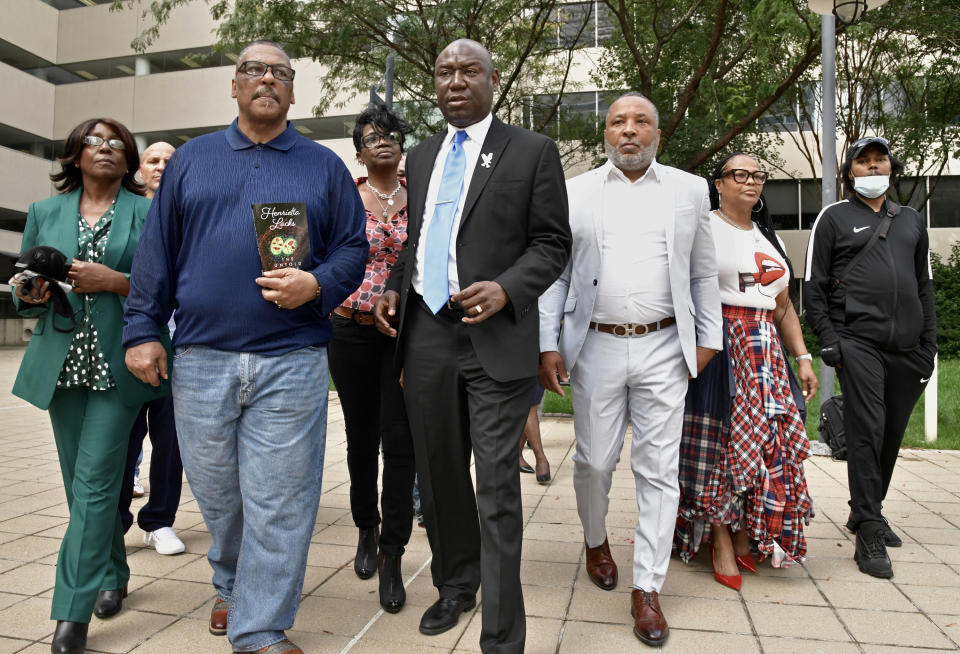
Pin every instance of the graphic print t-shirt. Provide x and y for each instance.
(752, 272)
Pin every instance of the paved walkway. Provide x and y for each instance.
(824, 606)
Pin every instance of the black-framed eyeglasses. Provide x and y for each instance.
(97, 141)
(373, 139)
(741, 175)
(254, 69)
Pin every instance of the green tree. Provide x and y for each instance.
(898, 75)
(946, 291)
(352, 39)
(713, 67)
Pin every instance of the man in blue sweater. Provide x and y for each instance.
(250, 361)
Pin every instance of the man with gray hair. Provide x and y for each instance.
(250, 377)
(640, 307)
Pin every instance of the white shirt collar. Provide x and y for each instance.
(612, 172)
(476, 132)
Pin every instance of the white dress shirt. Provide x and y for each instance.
(472, 145)
(634, 284)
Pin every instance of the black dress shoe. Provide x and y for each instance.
(69, 637)
(525, 467)
(365, 562)
(444, 614)
(392, 593)
(109, 602)
(871, 553)
(890, 538)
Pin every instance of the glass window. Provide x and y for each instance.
(945, 203)
(576, 24)
(605, 23)
(781, 198)
(810, 202)
(782, 114)
(916, 187)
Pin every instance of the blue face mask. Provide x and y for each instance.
(871, 186)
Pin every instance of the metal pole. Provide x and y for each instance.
(388, 81)
(930, 405)
(828, 139)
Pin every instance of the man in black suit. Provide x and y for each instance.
(471, 360)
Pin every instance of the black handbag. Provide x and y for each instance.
(831, 427)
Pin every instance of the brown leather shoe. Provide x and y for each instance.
(283, 647)
(601, 567)
(218, 617)
(649, 625)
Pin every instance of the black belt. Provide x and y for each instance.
(364, 318)
(450, 311)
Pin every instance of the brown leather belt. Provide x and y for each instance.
(632, 328)
(359, 317)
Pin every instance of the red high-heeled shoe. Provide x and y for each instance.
(747, 562)
(730, 581)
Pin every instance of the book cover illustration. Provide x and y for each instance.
(283, 238)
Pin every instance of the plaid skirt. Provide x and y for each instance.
(743, 445)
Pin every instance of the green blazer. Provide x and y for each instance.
(54, 222)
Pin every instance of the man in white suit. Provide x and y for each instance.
(641, 314)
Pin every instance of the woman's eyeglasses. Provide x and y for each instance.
(97, 141)
(373, 139)
(740, 175)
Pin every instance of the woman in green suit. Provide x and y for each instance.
(75, 369)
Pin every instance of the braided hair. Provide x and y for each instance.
(760, 214)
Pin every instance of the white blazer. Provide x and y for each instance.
(690, 252)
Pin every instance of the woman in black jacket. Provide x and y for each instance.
(877, 325)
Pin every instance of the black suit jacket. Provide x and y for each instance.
(514, 230)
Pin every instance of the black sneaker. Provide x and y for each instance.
(871, 553)
(890, 538)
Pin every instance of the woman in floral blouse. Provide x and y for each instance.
(75, 368)
(361, 364)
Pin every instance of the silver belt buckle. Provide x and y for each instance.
(628, 329)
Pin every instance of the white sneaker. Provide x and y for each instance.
(164, 540)
(137, 487)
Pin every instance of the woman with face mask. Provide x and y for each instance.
(874, 315)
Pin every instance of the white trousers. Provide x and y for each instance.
(643, 379)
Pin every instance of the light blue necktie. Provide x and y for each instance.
(436, 285)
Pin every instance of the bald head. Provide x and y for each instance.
(471, 47)
(152, 163)
(465, 81)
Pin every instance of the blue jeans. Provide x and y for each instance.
(252, 430)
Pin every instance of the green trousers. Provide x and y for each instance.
(92, 429)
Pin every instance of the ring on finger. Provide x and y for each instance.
(479, 309)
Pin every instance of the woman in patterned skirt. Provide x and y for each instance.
(741, 457)
(74, 366)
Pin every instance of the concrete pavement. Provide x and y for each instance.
(826, 605)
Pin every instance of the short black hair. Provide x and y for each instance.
(70, 178)
(896, 170)
(383, 119)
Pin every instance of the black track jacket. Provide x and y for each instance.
(887, 300)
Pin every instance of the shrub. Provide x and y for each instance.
(946, 291)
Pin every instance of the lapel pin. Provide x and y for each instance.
(487, 159)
